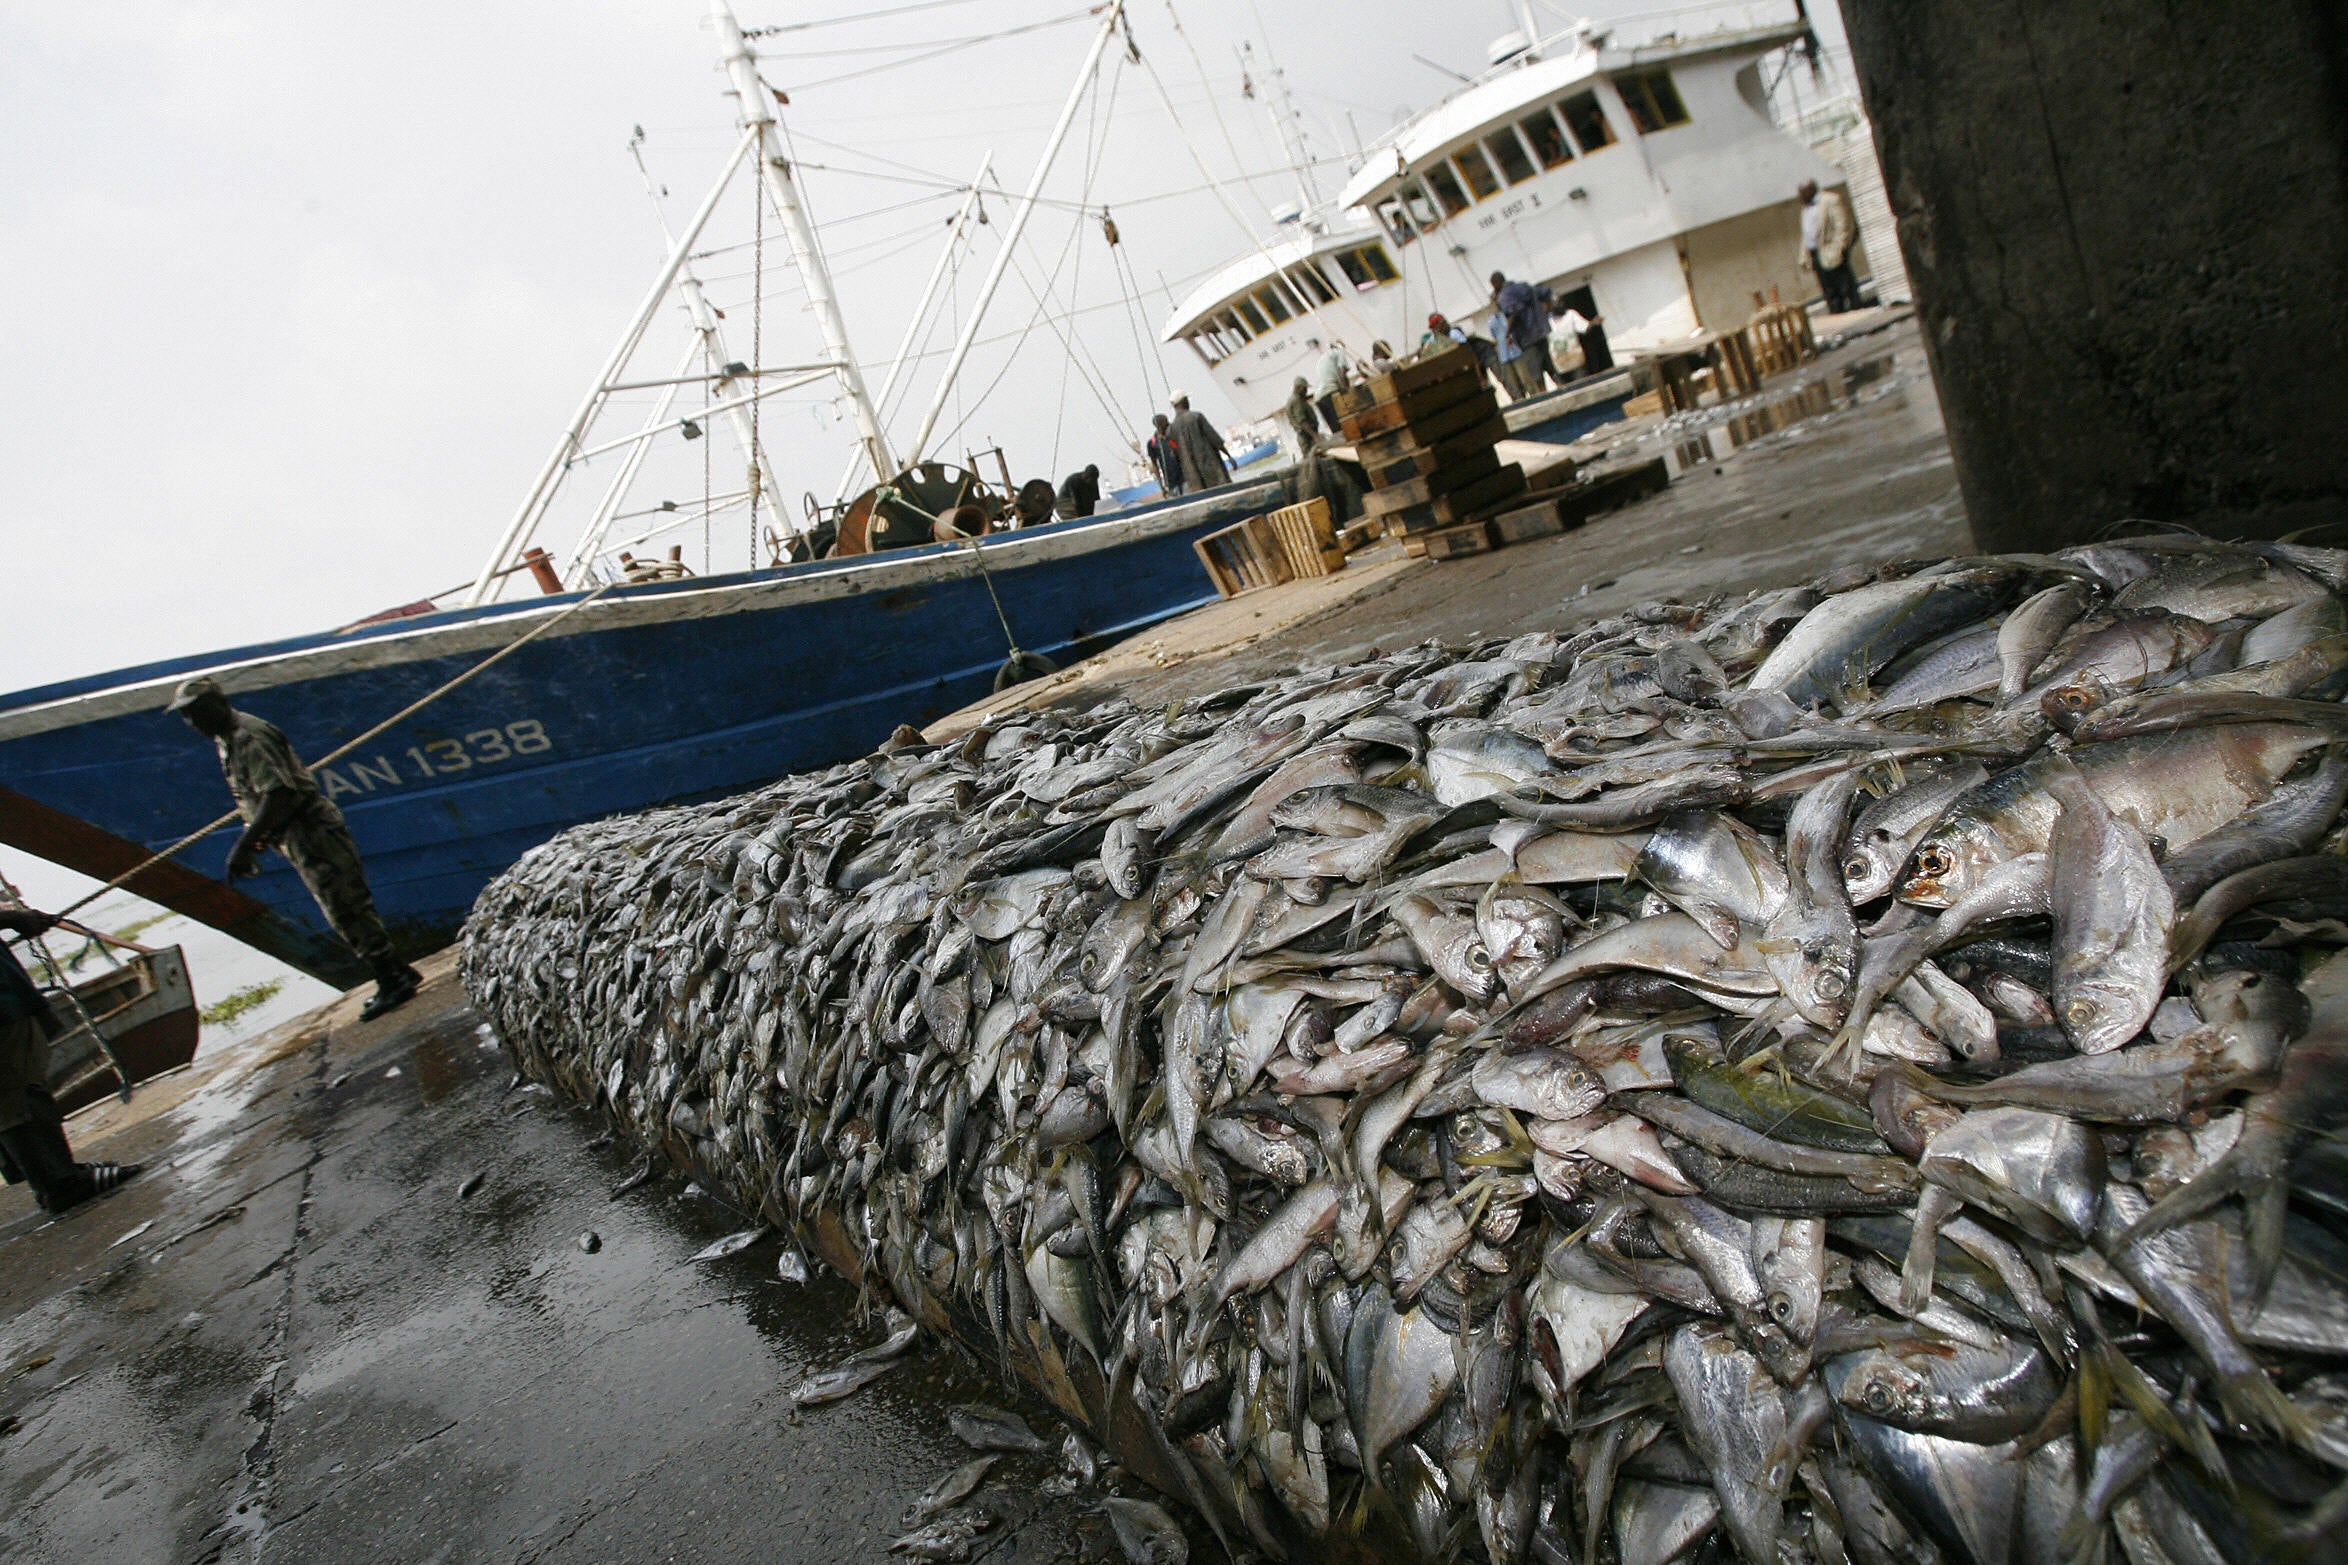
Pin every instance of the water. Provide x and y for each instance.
(228, 975)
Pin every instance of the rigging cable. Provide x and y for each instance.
(757, 358)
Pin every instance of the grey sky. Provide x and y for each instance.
(300, 295)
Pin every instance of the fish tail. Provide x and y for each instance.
(2268, 1201)
(2250, 1398)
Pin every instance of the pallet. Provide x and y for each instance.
(1475, 467)
(1243, 557)
(1411, 408)
(1450, 543)
(1416, 461)
(1612, 491)
(1404, 379)
(1473, 503)
(1306, 538)
(1379, 449)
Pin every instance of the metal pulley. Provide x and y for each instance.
(933, 502)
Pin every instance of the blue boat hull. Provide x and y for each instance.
(652, 695)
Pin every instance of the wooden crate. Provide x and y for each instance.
(1406, 378)
(1416, 461)
(1465, 505)
(1379, 449)
(1539, 520)
(1644, 403)
(1474, 467)
(1243, 556)
(1307, 539)
(1412, 407)
(1450, 543)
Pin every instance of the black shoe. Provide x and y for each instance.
(392, 991)
(91, 1180)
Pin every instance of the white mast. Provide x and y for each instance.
(774, 170)
(929, 294)
(1287, 124)
(542, 490)
(1002, 262)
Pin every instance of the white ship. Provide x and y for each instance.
(1646, 184)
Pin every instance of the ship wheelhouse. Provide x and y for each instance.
(1645, 184)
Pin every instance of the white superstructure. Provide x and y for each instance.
(1644, 184)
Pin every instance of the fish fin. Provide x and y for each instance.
(2250, 1398)
(2267, 1202)
(2229, 1175)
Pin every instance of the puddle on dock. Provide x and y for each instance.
(1703, 438)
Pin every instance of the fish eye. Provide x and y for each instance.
(1933, 859)
(1781, 1306)
(1478, 958)
(1855, 868)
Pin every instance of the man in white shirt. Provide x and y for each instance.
(1330, 375)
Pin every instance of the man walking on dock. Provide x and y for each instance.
(284, 809)
(1524, 314)
(1205, 464)
(1165, 461)
(33, 1147)
(1827, 231)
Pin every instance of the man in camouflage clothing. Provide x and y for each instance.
(284, 809)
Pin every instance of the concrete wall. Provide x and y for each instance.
(1727, 263)
(2127, 226)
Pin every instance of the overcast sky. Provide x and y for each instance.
(301, 295)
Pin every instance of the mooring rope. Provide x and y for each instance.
(401, 716)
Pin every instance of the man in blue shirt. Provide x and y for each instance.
(1525, 307)
(33, 1148)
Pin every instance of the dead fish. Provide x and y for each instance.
(951, 1539)
(984, 1428)
(632, 1181)
(1146, 1533)
(731, 1244)
(846, 1380)
(951, 1490)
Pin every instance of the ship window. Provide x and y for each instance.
(1307, 277)
(1366, 267)
(1275, 306)
(1587, 121)
(1547, 138)
(1421, 210)
(1390, 214)
(1509, 153)
(1231, 323)
(1447, 191)
(1476, 172)
(1652, 100)
(1256, 324)
(1205, 343)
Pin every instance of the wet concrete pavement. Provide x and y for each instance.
(291, 1339)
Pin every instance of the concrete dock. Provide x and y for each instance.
(295, 1339)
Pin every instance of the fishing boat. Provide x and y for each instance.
(130, 1023)
(1645, 184)
(486, 726)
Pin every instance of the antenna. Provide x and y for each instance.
(1287, 123)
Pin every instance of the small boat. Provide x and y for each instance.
(132, 1022)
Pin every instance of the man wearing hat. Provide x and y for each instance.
(1205, 463)
(284, 809)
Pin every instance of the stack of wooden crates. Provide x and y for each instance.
(1427, 434)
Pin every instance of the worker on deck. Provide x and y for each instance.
(1523, 310)
(1827, 232)
(1303, 418)
(1205, 464)
(1165, 461)
(284, 809)
(1577, 344)
(33, 1148)
(1382, 359)
(1331, 374)
(1080, 494)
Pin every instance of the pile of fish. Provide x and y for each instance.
(1846, 1074)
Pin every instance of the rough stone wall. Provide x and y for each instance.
(2127, 226)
